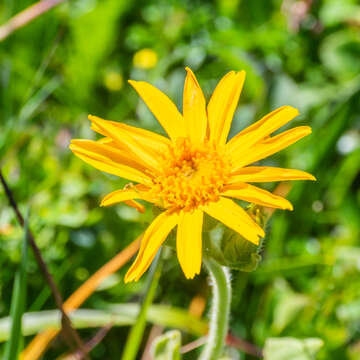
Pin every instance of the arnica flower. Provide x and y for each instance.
(195, 169)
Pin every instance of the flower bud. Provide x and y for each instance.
(230, 249)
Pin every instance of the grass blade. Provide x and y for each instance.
(135, 336)
(12, 347)
(115, 314)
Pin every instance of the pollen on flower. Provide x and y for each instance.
(192, 176)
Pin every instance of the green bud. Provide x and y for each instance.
(229, 249)
(224, 245)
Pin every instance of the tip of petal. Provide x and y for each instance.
(76, 143)
(257, 241)
(290, 107)
(134, 204)
(287, 205)
(292, 111)
(94, 118)
(261, 233)
(129, 277)
(192, 75)
(190, 276)
(241, 73)
(306, 129)
(141, 209)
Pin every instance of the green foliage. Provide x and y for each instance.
(18, 298)
(116, 314)
(137, 331)
(76, 59)
(167, 346)
(291, 348)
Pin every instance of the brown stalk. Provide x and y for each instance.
(231, 340)
(71, 336)
(94, 341)
(193, 345)
(155, 331)
(27, 15)
(243, 345)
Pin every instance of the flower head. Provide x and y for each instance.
(195, 169)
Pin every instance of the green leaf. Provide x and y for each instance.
(288, 306)
(167, 346)
(117, 315)
(291, 348)
(335, 12)
(12, 347)
(102, 19)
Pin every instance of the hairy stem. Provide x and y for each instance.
(220, 310)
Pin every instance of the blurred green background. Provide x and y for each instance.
(76, 59)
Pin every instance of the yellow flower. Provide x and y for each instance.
(195, 169)
(113, 80)
(145, 59)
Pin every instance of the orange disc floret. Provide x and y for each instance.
(192, 175)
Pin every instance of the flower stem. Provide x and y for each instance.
(220, 310)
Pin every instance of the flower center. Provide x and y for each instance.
(192, 176)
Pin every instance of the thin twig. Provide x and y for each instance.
(94, 341)
(155, 331)
(69, 332)
(231, 341)
(38, 345)
(243, 345)
(27, 15)
(193, 345)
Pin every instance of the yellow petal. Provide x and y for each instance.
(236, 218)
(135, 149)
(106, 141)
(153, 238)
(194, 109)
(105, 164)
(162, 107)
(256, 195)
(268, 147)
(189, 242)
(106, 149)
(134, 204)
(148, 139)
(123, 195)
(268, 174)
(222, 105)
(262, 128)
